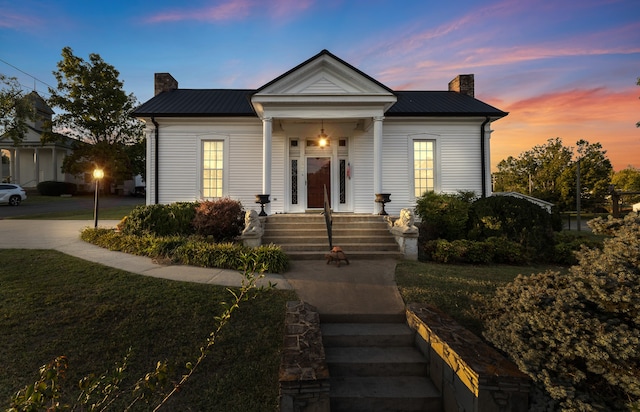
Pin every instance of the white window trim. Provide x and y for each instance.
(424, 137)
(212, 137)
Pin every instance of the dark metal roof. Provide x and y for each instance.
(198, 103)
(237, 103)
(440, 103)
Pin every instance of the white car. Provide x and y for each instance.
(12, 194)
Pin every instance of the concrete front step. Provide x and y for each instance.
(376, 361)
(304, 236)
(375, 366)
(367, 334)
(371, 394)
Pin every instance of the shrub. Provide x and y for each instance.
(492, 250)
(517, 220)
(221, 219)
(568, 243)
(193, 250)
(160, 220)
(443, 215)
(51, 188)
(578, 334)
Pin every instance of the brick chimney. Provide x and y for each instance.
(164, 82)
(463, 83)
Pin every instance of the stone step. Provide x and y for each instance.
(366, 334)
(375, 361)
(322, 245)
(371, 394)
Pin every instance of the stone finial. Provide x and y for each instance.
(464, 84)
(164, 82)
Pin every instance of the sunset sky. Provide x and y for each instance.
(561, 68)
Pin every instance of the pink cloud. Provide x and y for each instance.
(235, 10)
(10, 20)
(596, 115)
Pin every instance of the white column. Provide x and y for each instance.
(16, 175)
(36, 155)
(266, 155)
(377, 157)
(54, 164)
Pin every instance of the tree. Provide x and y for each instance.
(595, 175)
(15, 110)
(96, 111)
(548, 172)
(535, 172)
(627, 180)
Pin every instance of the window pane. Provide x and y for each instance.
(423, 165)
(212, 169)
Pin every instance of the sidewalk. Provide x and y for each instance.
(363, 287)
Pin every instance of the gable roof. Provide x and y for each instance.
(237, 102)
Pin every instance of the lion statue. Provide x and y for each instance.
(252, 225)
(406, 222)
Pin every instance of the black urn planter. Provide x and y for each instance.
(383, 198)
(263, 200)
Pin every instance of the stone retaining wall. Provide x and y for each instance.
(472, 376)
(304, 375)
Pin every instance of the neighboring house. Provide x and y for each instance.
(542, 203)
(211, 143)
(30, 161)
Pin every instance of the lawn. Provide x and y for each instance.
(52, 304)
(459, 290)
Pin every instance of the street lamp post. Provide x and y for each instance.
(98, 174)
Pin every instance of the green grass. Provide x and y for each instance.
(458, 290)
(52, 304)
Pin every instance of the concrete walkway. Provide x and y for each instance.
(363, 287)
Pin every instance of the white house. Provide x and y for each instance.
(31, 161)
(322, 123)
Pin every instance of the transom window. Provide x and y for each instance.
(212, 168)
(423, 167)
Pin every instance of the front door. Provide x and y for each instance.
(318, 176)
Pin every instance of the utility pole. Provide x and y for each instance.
(578, 194)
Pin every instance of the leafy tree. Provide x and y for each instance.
(95, 110)
(548, 172)
(627, 180)
(15, 110)
(595, 176)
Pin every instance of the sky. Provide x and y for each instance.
(561, 68)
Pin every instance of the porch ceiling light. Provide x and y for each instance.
(323, 139)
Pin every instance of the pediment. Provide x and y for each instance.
(323, 78)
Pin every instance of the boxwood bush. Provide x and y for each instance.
(160, 220)
(578, 334)
(222, 219)
(51, 188)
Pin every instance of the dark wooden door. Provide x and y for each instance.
(318, 176)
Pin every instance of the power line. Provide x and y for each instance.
(22, 71)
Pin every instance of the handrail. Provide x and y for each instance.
(328, 219)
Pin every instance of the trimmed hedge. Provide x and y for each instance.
(160, 220)
(222, 219)
(192, 250)
(492, 250)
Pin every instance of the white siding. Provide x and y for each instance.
(361, 155)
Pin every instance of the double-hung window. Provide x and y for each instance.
(423, 166)
(212, 168)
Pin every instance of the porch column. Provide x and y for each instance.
(36, 155)
(377, 157)
(16, 167)
(54, 164)
(266, 155)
